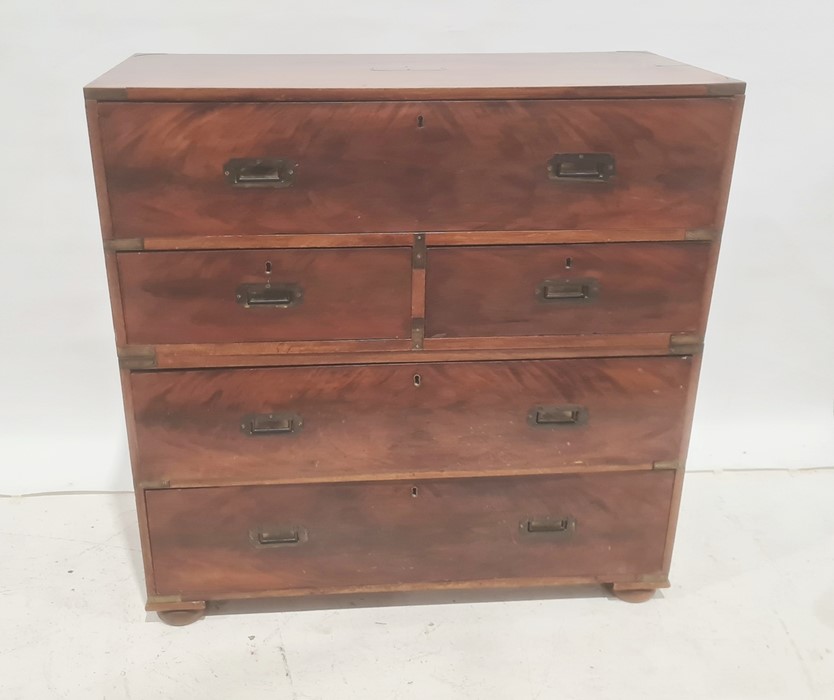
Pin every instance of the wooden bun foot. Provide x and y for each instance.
(180, 618)
(633, 595)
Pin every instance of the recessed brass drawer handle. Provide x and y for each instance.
(271, 424)
(556, 416)
(581, 167)
(548, 527)
(568, 290)
(276, 296)
(259, 172)
(280, 536)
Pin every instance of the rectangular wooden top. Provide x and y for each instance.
(193, 77)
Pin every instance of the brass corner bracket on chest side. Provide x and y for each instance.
(418, 333)
(162, 603)
(418, 252)
(124, 245)
(685, 344)
(700, 234)
(137, 357)
(668, 465)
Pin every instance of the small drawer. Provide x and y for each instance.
(269, 540)
(566, 289)
(302, 424)
(266, 295)
(202, 169)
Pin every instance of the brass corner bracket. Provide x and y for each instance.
(137, 357)
(418, 333)
(685, 344)
(418, 252)
(700, 234)
(124, 245)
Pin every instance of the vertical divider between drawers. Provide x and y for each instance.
(419, 261)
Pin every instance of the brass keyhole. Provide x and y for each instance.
(414, 492)
(418, 380)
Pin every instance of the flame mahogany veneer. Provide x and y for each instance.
(398, 323)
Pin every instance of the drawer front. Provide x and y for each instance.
(405, 166)
(222, 296)
(213, 541)
(564, 290)
(301, 424)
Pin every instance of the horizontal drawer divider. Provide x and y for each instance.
(391, 351)
(397, 238)
(306, 478)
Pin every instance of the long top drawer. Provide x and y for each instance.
(258, 168)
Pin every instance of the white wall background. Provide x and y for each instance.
(767, 390)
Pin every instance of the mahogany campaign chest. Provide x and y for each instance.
(389, 323)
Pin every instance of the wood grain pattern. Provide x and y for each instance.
(99, 171)
(190, 356)
(369, 166)
(688, 414)
(642, 288)
(372, 239)
(367, 239)
(412, 469)
(383, 534)
(689, 409)
(518, 237)
(376, 421)
(139, 493)
(115, 294)
(179, 297)
(392, 77)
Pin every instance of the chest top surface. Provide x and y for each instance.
(179, 77)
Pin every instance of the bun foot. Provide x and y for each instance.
(633, 595)
(180, 618)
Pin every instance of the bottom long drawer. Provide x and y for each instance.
(229, 541)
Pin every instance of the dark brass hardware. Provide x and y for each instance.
(418, 333)
(153, 485)
(548, 527)
(568, 290)
(555, 416)
(700, 234)
(124, 245)
(137, 357)
(685, 344)
(418, 252)
(278, 296)
(581, 167)
(259, 172)
(257, 424)
(282, 536)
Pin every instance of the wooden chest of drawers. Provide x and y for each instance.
(402, 322)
